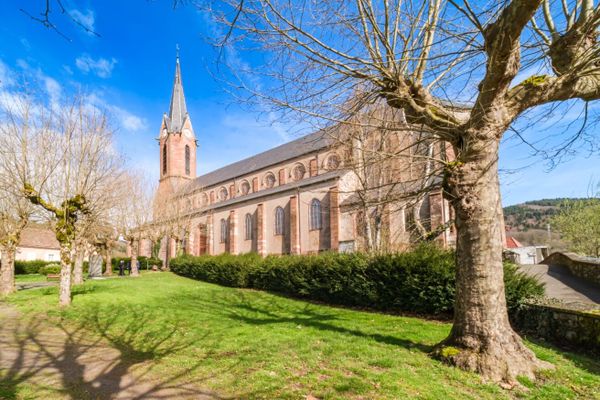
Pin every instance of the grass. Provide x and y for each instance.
(27, 278)
(250, 344)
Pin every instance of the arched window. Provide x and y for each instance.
(164, 159)
(223, 230)
(187, 159)
(316, 219)
(249, 227)
(279, 220)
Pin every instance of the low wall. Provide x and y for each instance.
(573, 329)
(582, 267)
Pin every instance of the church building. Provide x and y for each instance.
(296, 198)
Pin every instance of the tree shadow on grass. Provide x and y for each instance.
(111, 353)
(588, 361)
(237, 306)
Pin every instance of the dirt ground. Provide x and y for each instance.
(39, 359)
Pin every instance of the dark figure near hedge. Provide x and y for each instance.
(121, 268)
(128, 267)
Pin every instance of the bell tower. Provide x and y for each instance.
(177, 143)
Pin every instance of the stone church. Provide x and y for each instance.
(296, 198)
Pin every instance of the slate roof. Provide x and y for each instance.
(304, 145)
(177, 109)
(39, 238)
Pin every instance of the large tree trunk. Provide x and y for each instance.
(64, 295)
(135, 246)
(482, 339)
(108, 262)
(7, 271)
(78, 267)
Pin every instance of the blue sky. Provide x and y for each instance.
(129, 70)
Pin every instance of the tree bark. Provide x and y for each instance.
(482, 339)
(64, 295)
(135, 245)
(78, 268)
(108, 262)
(7, 271)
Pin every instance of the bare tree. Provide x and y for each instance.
(393, 167)
(172, 219)
(423, 57)
(88, 165)
(24, 142)
(135, 213)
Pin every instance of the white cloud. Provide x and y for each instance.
(85, 18)
(6, 75)
(125, 119)
(56, 96)
(25, 44)
(101, 66)
(52, 87)
(130, 121)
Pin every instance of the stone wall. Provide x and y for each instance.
(582, 267)
(573, 329)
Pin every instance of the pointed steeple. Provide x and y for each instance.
(178, 109)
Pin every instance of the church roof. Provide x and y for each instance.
(177, 109)
(304, 145)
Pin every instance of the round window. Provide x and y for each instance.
(333, 162)
(223, 194)
(270, 180)
(245, 187)
(298, 172)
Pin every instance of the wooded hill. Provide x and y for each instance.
(528, 222)
(535, 214)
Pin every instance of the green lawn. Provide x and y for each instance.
(27, 278)
(249, 344)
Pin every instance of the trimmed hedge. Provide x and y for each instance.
(30, 267)
(50, 269)
(420, 281)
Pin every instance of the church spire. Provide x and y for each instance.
(178, 109)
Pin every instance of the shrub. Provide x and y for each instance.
(30, 267)
(520, 287)
(151, 261)
(50, 269)
(420, 281)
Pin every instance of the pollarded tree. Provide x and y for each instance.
(24, 144)
(421, 57)
(87, 168)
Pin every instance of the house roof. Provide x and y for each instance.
(304, 145)
(39, 238)
(512, 243)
